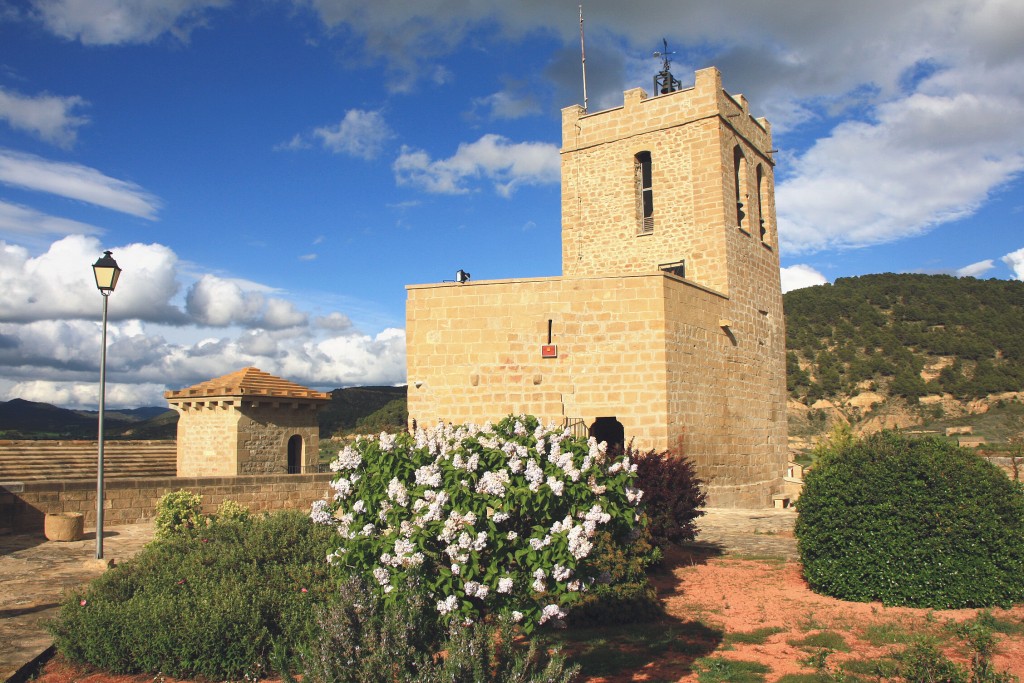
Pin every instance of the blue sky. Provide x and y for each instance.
(271, 173)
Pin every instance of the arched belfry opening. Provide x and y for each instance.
(247, 423)
(295, 454)
(611, 431)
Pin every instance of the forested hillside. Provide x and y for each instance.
(905, 335)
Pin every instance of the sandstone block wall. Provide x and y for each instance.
(23, 506)
(235, 436)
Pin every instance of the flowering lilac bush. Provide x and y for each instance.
(493, 519)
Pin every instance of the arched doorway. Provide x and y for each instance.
(610, 430)
(295, 455)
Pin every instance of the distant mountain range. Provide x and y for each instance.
(370, 409)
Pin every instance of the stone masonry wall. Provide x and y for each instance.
(263, 434)
(208, 441)
(474, 352)
(23, 506)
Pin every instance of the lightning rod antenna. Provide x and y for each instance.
(583, 56)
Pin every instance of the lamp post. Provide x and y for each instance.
(106, 272)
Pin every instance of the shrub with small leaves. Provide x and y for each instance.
(215, 602)
(673, 495)
(230, 511)
(919, 522)
(178, 511)
(501, 518)
(363, 639)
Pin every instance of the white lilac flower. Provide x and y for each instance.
(539, 585)
(449, 604)
(560, 573)
(574, 586)
(360, 506)
(534, 475)
(551, 612)
(512, 536)
(476, 589)
(428, 475)
(505, 584)
(348, 459)
(519, 429)
(556, 485)
(633, 495)
(456, 569)
(493, 483)
(597, 515)
(517, 616)
(579, 545)
(319, 513)
(480, 542)
(397, 492)
(382, 576)
(387, 442)
(500, 517)
(368, 530)
(343, 488)
(472, 463)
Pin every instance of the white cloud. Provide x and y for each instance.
(506, 164)
(927, 159)
(48, 117)
(75, 395)
(976, 269)
(800, 276)
(336, 322)
(113, 22)
(23, 222)
(514, 102)
(75, 181)
(1015, 259)
(360, 134)
(220, 302)
(59, 283)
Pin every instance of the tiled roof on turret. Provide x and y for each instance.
(247, 382)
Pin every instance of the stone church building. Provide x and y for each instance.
(665, 327)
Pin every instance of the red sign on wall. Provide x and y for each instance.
(549, 351)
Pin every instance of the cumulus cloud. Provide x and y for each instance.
(75, 181)
(505, 163)
(48, 117)
(976, 269)
(220, 302)
(75, 395)
(926, 160)
(59, 283)
(800, 276)
(114, 22)
(360, 134)
(1015, 259)
(933, 88)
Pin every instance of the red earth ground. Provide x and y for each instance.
(707, 595)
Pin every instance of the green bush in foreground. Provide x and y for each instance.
(178, 511)
(217, 601)
(917, 522)
(364, 639)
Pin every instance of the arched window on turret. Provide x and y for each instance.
(740, 179)
(644, 193)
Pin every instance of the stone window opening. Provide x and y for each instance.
(644, 193)
(761, 203)
(740, 178)
(295, 448)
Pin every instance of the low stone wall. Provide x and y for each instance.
(24, 505)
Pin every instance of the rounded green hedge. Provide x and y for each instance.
(918, 522)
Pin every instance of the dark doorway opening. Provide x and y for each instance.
(295, 455)
(611, 430)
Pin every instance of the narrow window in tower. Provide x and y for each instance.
(740, 178)
(760, 203)
(644, 193)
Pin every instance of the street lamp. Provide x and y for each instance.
(106, 271)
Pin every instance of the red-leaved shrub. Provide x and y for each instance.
(673, 495)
